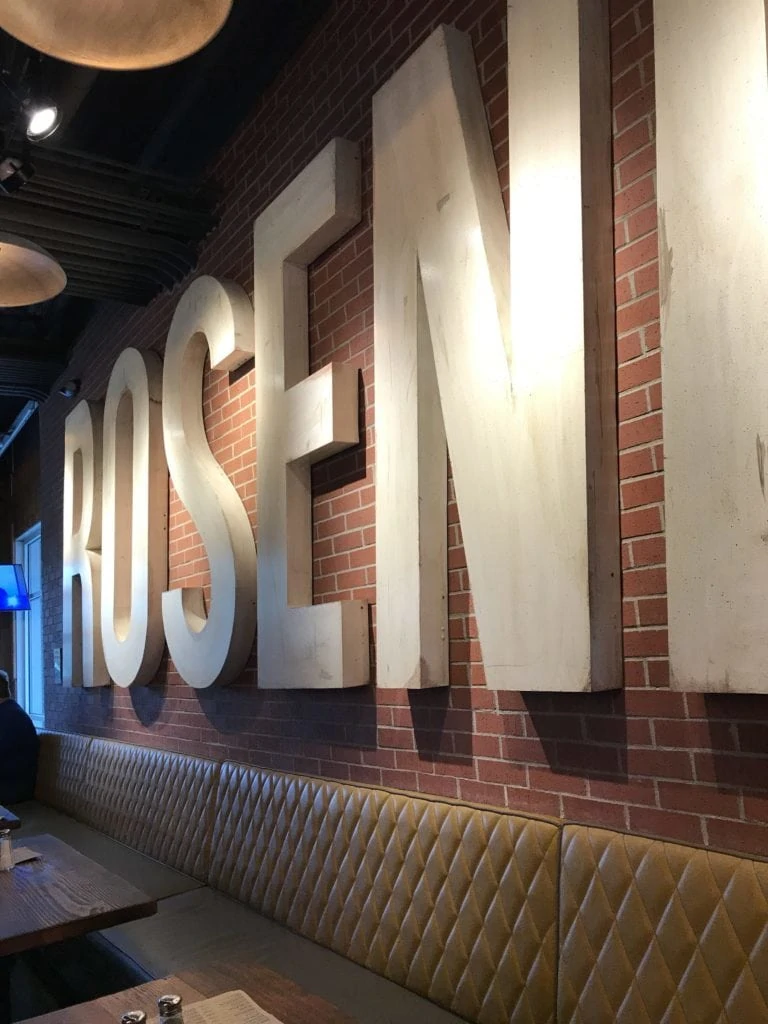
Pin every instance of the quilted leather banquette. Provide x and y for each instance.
(494, 917)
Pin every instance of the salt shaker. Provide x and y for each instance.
(134, 1017)
(6, 850)
(169, 1008)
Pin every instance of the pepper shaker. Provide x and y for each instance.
(6, 850)
(170, 1010)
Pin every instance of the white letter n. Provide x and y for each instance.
(525, 396)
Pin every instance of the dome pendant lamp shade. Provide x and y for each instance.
(28, 274)
(124, 35)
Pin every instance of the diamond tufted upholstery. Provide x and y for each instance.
(454, 903)
(498, 918)
(660, 933)
(61, 771)
(155, 801)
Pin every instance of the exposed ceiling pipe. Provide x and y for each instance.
(7, 439)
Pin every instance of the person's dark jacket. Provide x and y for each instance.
(18, 754)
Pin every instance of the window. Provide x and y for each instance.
(28, 629)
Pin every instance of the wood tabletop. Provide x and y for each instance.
(281, 997)
(61, 895)
(8, 819)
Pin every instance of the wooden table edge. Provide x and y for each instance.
(46, 935)
(196, 984)
(96, 923)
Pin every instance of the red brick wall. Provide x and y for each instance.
(19, 509)
(20, 485)
(647, 759)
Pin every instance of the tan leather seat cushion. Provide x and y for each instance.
(61, 771)
(158, 802)
(455, 903)
(654, 932)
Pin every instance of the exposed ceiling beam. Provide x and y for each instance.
(119, 232)
(31, 350)
(26, 378)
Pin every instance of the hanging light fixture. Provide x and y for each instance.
(119, 34)
(28, 274)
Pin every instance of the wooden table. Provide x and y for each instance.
(8, 819)
(281, 997)
(61, 895)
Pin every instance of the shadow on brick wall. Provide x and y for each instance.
(443, 732)
(581, 735)
(291, 723)
(350, 465)
(96, 711)
(148, 701)
(732, 740)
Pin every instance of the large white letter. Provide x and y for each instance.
(534, 465)
(566, 618)
(134, 521)
(301, 419)
(712, 113)
(83, 661)
(216, 317)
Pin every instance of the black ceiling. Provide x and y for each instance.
(127, 230)
(119, 233)
(174, 119)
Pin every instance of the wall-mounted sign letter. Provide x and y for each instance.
(83, 657)
(447, 366)
(566, 624)
(134, 522)
(301, 419)
(212, 648)
(712, 145)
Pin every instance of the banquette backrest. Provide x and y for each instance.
(497, 916)
(156, 801)
(61, 771)
(654, 932)
(456, 903)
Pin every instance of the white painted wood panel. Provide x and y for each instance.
(209, 646)
(566, 623)
(134, 519)
(82, 652)
(438, 211)
(411, 467)
(712, 114)
(299, 420)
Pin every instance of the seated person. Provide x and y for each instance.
(18, 748)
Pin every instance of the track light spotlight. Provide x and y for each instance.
(69, 388)
(43, 118)
(14, 172)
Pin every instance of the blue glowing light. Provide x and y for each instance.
(13, 589)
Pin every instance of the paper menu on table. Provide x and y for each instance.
(21, 854)
(228, 1008)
